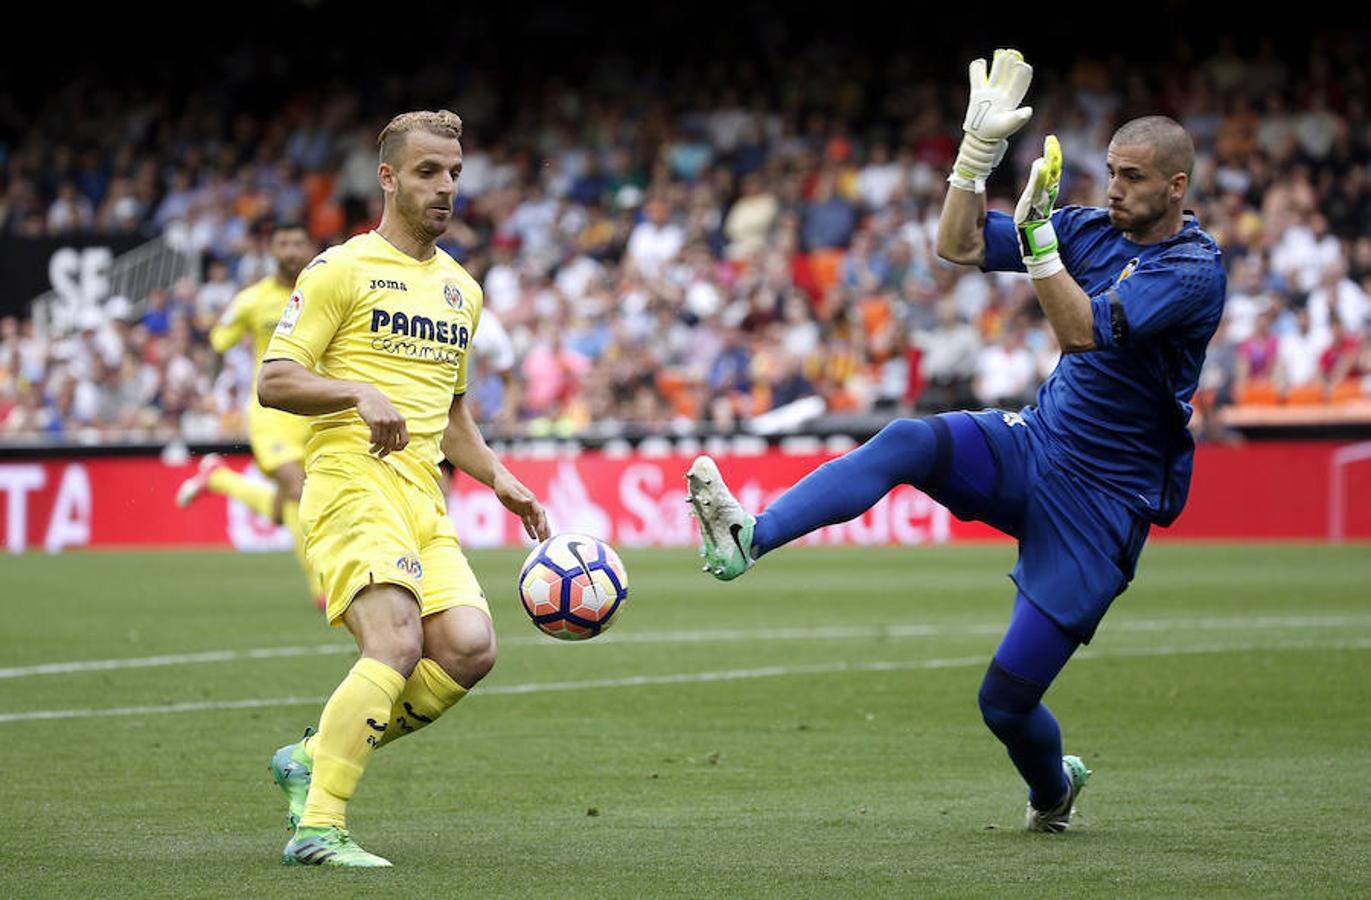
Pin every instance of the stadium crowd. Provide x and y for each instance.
(684, 254)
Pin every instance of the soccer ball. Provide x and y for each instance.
(572, 586)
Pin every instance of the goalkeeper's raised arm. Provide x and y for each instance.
(993, 114)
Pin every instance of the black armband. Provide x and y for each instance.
(1118, 319)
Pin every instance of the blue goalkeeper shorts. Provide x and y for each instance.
(1078, 547)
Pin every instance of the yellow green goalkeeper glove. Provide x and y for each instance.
(992, 115)
(1033, 215)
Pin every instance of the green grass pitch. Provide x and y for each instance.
(808, 731)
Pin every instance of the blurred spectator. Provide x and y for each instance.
(552, 372)
(1305, 251)
(949, 361)
(749, 221)
(829, 219)
(687, 247)
(1345, 361)
(655, 240)
(156, 314)
(880, 179)
(1257, 357)
(1338, 298)
(1298, 354)
(1349, 204)
(729, 371)
(71, 211)
(1245, 299)
(1216, 383)
(1006, 373)
(214, 295)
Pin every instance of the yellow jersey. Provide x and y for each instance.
(365, 311)
(254, 310)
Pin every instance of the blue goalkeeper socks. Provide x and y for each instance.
(949, 458)
(945, 456)
(1033, 651)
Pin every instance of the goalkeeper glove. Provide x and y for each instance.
(992, 115)
(1033, 215)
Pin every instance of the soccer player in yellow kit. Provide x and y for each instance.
(373, 344)
(277, 438)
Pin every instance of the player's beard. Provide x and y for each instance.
(416, 214)
(1140, 217)
(292, 271)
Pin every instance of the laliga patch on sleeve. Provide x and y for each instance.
(291, 315)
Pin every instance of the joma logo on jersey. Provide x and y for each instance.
(421, 327)
(386, 284)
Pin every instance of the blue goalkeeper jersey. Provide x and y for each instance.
(1116, 416)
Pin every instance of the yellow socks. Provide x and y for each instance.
(428, 694)
(257, 496)
(352, 725)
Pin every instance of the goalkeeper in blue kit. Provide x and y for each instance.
(1133, 293)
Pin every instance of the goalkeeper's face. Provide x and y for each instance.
(1140, 194)
(423, 183)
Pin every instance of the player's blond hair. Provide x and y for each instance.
(391, 140)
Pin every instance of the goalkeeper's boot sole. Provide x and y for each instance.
(725, 528)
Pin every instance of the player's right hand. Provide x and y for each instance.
(388, 430)
(522, 502)
(992, 115)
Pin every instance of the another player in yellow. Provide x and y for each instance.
(374, 345)
(277, 438)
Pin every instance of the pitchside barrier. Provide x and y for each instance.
(634, 496)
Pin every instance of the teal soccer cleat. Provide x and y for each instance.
(291, 769)
(725, 529)
(1058, 818)
(329, 847)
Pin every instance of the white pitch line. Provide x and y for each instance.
(47, 714)
(174, 659)
(688, 678)
(706, 635)
(866, 632)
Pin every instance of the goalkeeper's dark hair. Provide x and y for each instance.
(1175, 150)
(443, 123)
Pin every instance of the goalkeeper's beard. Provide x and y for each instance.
(1133, 220)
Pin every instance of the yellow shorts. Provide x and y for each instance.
(365, 524)
(277, 437)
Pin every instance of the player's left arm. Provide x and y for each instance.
(1178, 289)
(231, 327)
(465, 447)
(1067, 306)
